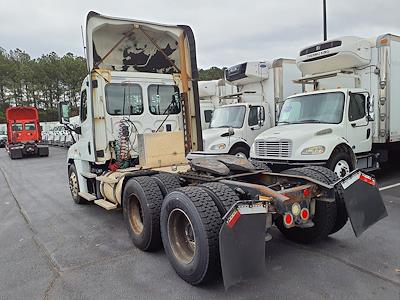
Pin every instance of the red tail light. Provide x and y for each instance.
(288, 219)
(306, 192)
(305, 214)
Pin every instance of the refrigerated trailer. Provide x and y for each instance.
(139, 118)
(24, 133)
(349, 115)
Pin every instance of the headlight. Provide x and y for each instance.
(314, 150)
(218, 146)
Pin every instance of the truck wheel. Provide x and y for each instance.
(74, 185)
(324, 218)
(167, 182)
(240, 151)
(222, 195)
(331, 177)
(190, 225)
(340, 163)
(142, 200)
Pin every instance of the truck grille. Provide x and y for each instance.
(281, 148)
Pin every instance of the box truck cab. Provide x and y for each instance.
(262, 86)
(350, 118)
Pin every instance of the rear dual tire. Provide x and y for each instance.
(190, 224)
(324, 218)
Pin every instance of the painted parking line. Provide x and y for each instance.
(389, 186)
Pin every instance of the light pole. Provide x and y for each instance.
(324, 19)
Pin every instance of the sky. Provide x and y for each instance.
(226, 32)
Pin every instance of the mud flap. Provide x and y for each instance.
(242, 247)
(363, 201)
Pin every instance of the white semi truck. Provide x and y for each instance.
(262, 87)
(138, 120)
(212, 95)
(349, 116)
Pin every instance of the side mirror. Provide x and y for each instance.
(63, 112)
(370, 108)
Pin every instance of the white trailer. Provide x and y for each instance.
(349, 116)
(261, 89)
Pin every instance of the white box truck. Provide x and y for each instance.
(211, 95)
(349, 116)
(262, 87)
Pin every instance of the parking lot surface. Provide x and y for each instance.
(51, 248)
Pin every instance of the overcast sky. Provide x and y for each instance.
(226, 32)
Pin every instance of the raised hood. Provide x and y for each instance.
(130, 45)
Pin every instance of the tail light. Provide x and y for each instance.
(305, 214)
(288, 219)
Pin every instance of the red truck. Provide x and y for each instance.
(24, 133)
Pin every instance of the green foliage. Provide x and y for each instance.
(40, 82)
(211, 73)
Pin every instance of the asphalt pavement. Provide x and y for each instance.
(52, 248)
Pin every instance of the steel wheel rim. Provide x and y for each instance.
(241, 155)
(181, 236)
(342, 168)
(73, 184)
(136, 215)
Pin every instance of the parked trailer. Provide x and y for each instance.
(349, 116)
(212, 214)
(24, 134)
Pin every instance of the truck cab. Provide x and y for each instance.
(233, 127)
(261, 90)
(322, 127)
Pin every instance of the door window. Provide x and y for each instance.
(254, 112)
(208, 115)
(83, 105)
(356, 107)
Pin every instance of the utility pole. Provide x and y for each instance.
(324, 19)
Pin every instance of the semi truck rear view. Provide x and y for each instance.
(139, 117)
(24, 133)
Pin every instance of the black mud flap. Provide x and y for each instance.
(363, 201)
(242, 247)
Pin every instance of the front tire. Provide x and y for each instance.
(240, 151)
(340, 163)
(74, 185)
(190, 224)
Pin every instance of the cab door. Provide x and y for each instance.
(359, 128)
(86, 138)
(255, 123)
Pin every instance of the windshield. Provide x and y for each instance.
(229, 116)
(16, 127)
(316, 108)
(30, 126)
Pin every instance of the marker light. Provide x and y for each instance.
(306, 192)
